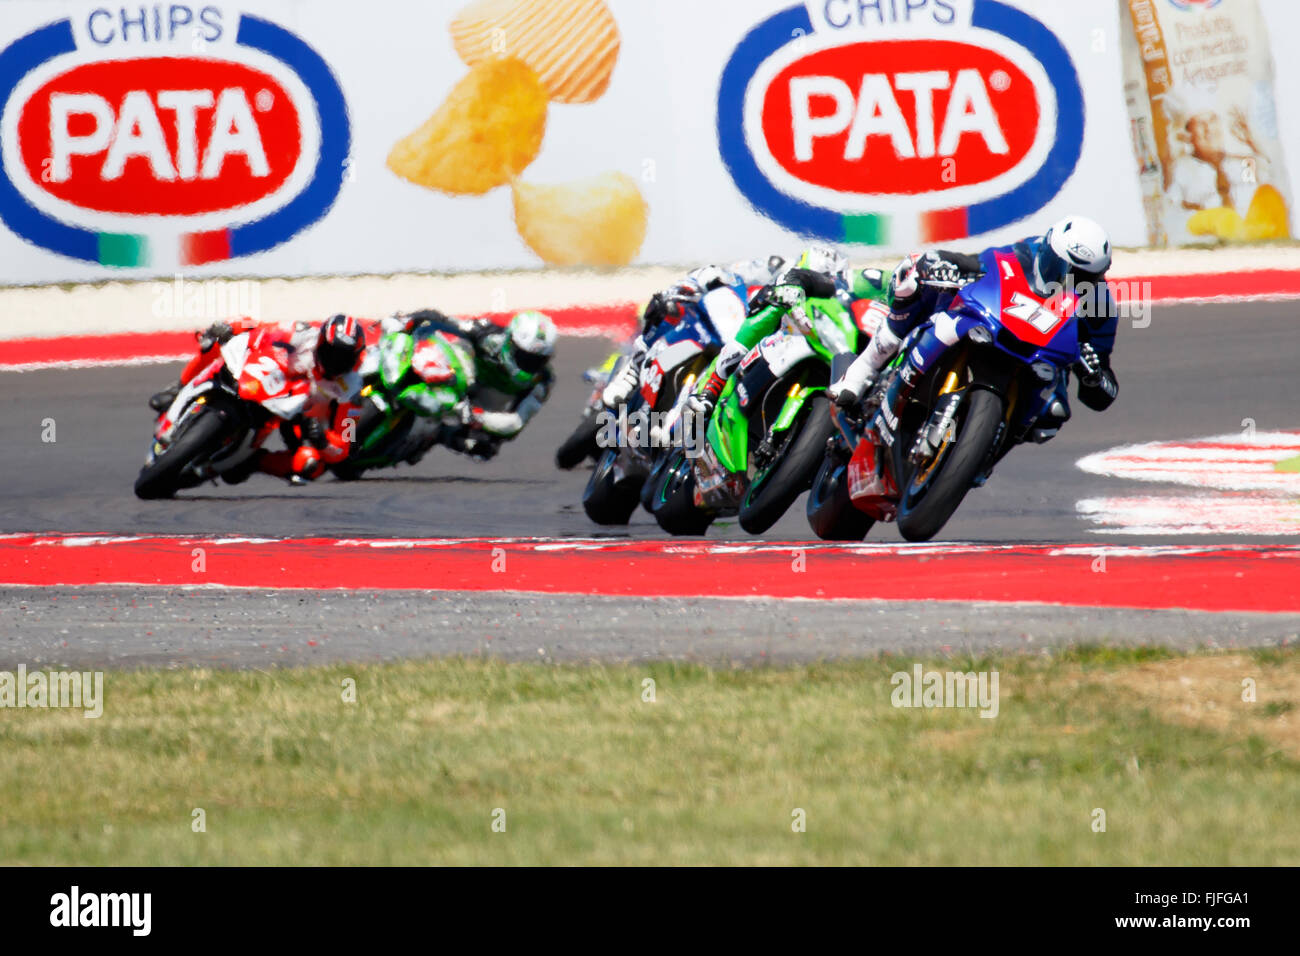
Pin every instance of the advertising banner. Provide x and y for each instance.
(1200, 89)
(315, 137)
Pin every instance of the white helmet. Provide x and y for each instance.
(825, 260)
(530, 341)
(1075, 246)
(712, 277)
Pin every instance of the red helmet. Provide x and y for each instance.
(339, 347)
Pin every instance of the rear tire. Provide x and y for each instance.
(673, 502)
(579, 446)
(920, 519)
(831, 512)
(606, 500)
(201, 439)
(793, 472)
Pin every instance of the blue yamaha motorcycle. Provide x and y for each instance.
(965, 387)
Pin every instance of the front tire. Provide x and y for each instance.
(831, 512)
(924, 509)
(201, 438)
(371, 417)
(773, 493)
(608, 500)
(652, 480)
(673, 502)
(579, 446)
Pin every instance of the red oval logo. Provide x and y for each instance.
(900, 117)
(172, 136)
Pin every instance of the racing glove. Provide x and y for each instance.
(1089, 365)
(1098, 386)
(656, 310)
(218, 333)
(940, 270)
(818, 285)
(905, 283)
(477, 329)
(789, 296)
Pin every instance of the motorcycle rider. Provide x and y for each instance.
(669, 306)
(512, 360)
(318, 433)
(1073, 254)
(820, 272)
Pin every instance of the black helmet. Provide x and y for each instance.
(341, 342)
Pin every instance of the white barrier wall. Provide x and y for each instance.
(298, 137)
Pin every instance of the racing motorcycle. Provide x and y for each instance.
(636, 437)
(410, 379)
(768, 432)
(220, 418)
(965, 387)
(582, 443)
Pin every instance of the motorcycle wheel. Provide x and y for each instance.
(579, 446)
(607, 500)
(831, 513)
(933, 493)
(370, 418)
(200, 439)
(673, 502)
(771, 493)
(651, 484)
(346, 472)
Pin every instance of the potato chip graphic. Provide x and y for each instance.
(1266, 218)
(1222, 222)
(599, 221)
(571, 44)
(485, 133)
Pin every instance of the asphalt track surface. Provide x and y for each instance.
(1197, 370)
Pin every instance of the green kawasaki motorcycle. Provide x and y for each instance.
(767, 435)
(413, 382)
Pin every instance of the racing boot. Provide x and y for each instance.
(862, 374)
(424, 435)
(702, 404)
(1049, 423)
(622, 385)
(297, 467)
(161, 401)
(244, 470)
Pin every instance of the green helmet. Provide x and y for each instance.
(528, 343)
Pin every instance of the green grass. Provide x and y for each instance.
(587, 772)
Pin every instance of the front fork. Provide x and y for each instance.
(931, 436)
(918, 355)
(937, 430)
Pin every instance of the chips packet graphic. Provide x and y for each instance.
(1199, 86)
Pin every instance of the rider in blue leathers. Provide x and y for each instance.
(1074, 251)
